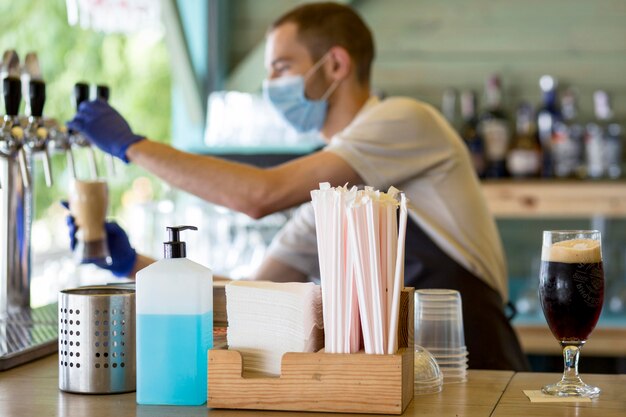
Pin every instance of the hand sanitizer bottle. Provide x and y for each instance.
(174, 304)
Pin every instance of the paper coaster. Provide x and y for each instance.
(539, 397)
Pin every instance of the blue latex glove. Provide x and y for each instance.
(123, 256)
(104, 127)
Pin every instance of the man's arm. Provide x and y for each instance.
(244, 188)
(141, 262)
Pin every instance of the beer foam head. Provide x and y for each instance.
(573, 251)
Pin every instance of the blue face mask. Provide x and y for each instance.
(287, 96)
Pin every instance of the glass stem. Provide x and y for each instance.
(571, 354)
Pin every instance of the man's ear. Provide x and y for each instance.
(339, 65)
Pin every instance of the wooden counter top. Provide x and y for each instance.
(611, 403)
(32, 390)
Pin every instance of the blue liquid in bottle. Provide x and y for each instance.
(172, 358)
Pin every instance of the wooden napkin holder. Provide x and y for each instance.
(326, 382)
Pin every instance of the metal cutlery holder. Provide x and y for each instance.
(97, 340)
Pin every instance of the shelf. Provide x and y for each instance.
(563, 199)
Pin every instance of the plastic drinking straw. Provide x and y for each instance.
(382, 256)
(320, 208)
(387, 253)
(355, 326)
(333, 256)
(358, 262)
(392, 345)
(374, 257)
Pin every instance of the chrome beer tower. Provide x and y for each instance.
(25, 333)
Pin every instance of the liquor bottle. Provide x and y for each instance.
(568, 139)
(448, 106)
(547, 115)
(524, 158)
(611, 135)
(469, 131)
(603, 141)
(613, 143)
(493, 126)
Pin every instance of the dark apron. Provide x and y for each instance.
(489, 337)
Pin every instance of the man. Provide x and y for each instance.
(318, 59)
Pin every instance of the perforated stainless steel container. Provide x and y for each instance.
(97, 340)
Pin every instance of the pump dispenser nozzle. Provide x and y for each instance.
(175, 248)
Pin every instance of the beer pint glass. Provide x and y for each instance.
(88, 204)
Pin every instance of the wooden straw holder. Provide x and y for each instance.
(328, 382)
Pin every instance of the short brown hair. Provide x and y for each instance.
(324, 25)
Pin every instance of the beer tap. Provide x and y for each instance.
(11, 132)
(10, 65)
(30, 70)
(81, 93)
(36, 135)
(59, 140)
(103, 92)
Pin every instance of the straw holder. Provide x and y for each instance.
(325, 382)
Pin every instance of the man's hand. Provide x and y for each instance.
(104, 127)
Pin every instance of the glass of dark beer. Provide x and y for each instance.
(571, 292)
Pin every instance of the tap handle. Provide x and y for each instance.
(111, 166)
(70, 161)
(93, 166)
(103, 92)
(21, 160)
(37, 94)
(47, 167)
(81, 93)
(12, 95)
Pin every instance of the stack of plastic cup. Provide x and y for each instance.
(439, 329)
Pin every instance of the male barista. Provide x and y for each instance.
(318, 59)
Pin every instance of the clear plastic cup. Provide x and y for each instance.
(439, 321)
(439, 329)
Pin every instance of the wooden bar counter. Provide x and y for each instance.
(32, 390)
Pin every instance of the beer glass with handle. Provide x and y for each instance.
(571, 292)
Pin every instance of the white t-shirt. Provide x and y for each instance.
(408, 144)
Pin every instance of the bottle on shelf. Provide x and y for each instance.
(469, 131)
(448, 106)
(494, 129)
(548, 115)
(568, 139)
(613, 150)
(603, 140)
(611, 135)
(524, 158)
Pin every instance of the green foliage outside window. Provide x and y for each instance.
(135, 67)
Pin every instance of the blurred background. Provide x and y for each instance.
(189, 73)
